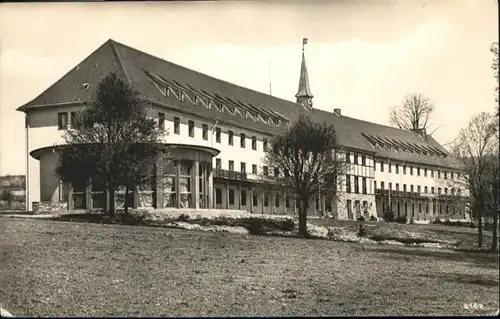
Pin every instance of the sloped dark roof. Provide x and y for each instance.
(143, 71)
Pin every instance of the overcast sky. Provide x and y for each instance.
(362, 57)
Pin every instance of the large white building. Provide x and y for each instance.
(219, 131)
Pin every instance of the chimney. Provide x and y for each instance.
(337, 112)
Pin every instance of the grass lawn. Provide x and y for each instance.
(51, 268)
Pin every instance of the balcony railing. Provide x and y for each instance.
(226, 174)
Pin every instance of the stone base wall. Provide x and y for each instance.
(41, 207)
(342, 210)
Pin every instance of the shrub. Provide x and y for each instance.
(361, 231)
(183, 218)
(373, 218)
(361, 219)
(437, 221)
(401, 220)
(389, 216)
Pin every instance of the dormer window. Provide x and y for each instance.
(62, 121)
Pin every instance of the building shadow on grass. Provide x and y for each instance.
(482, 259)
(471, 279)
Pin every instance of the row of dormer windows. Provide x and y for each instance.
(243, 167)
(218, 133)
(419, 171)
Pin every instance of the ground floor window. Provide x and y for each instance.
(254, 200)
(243, 197)
(218, 196)
(349, 210)
(231, 197)
(266, 200)
(277, 200)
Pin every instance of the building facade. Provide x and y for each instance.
(219, 132)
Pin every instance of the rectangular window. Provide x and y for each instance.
(451, 175)
(287, 202)
(218, 196)
(426, 189)
(374, 165)
(231, 196)
(397, 168)
(363, 160)
(445, 175)
(382, 186)
(348, 157)
(254, 143)
(404, 188)
(439, 174)
(348, 183)
(397, 187)
(243, 197)
(254, 200)
(230, 137)
(375, 185)
(389, 166)
(264, 145)
(425, 172)
(191, 128)
(266, 200)
(432, 190)
(418, 171)
(218, 163)
(356, 185)
(411, 170)
(254, 169)
(404, 170)
(242, 140)
(177, 125)
(419, 189)
(243, 167)
(217, 135)
(277, 200)
(231, 166)
(381, 166)
(432, 173)
(74, 119)
(446, 190)
(390, 186)
(265, 170)
(364, 185)
(62, 121)
(355, 159)
(205, 131)
(411, 188)
(161, 120)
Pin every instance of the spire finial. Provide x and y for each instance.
(304, 95)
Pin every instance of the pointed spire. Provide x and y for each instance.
(304, 95)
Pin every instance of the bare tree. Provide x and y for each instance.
(414, 114)
(494, 67)
(308, 160)
(112, 142)
(476, 150)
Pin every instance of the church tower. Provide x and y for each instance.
(304, 95)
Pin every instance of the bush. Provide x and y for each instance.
(183, 218)
(401, 220)
(361, 219)
(361, 231)
(389, 216)
(437, 221)
(373, 218)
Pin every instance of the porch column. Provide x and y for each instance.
(239, 197)
(88, 195)
(227, 195)
(262, 196)
(251, 199)
(210, 188)
(177, 185)
(273, 201)
(196, 189)
(285, 197)
(159, 184)
(71, 204)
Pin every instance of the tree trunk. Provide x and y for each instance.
(494, 244)
(303, 218)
